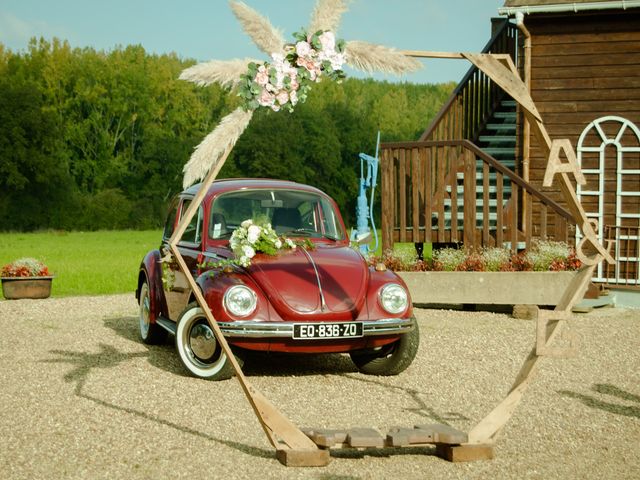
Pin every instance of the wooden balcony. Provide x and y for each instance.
(454, 192)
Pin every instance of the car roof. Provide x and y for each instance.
(233, 184)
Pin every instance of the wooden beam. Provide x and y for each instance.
(431, 54)
(280, 431)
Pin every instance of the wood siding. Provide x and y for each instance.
(586, 66)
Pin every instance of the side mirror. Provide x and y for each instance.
(364, 239)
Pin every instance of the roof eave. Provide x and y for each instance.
(570, 7)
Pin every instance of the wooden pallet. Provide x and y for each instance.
(451, 444)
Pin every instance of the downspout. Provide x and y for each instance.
(526, 128)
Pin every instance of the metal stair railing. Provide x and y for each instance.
(472, 102)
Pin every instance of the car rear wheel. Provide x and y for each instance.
(198, 348)
(150, 333)
(390, 359)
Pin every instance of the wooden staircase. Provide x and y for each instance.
(458, 183)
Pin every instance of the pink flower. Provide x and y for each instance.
(310, 65)
(266, 98)
(282, 97)
(262, 77)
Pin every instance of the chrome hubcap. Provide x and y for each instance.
(202, 341)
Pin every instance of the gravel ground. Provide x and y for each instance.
(82, 398)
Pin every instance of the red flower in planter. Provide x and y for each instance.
(25, 267)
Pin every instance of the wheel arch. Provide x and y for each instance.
(151, 272)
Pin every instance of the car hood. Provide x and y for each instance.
(327, 282)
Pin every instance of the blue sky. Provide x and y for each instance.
(206, 29)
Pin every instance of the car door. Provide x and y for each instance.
(177, 289)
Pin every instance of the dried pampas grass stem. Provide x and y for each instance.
(222, 138)
(266, 37)
(326, 15)
(371, 58)
(226, 73)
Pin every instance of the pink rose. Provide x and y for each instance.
(282, 97)
(262, 77)
(266, 98)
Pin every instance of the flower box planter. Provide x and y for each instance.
(15, 288)
(501, 288)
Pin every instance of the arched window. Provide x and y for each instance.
(609, 155)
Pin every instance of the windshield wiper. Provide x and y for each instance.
(309, 232)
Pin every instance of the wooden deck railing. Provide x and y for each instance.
(471, 104)
(421, 203)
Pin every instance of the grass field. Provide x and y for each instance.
(84, 263)
(93, 263)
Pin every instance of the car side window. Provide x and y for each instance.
(170, 224)
(192, 234)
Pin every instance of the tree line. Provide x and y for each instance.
(97, 140)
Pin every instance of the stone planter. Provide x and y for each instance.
(15, 288)
(501, 288)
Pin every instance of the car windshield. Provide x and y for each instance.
(291, 213)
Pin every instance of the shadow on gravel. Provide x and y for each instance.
(288, 364)
(256, 363)
(613, 391)
(110, 357)
(421, 408)
(161, 356)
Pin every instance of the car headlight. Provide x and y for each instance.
(240, 301)
(394, 298)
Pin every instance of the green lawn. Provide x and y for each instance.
(93, 263)
(84, 263)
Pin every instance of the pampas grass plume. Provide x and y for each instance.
(225, 72)
(370, 58)
(326, 15)
(266, 37)
(222, 138)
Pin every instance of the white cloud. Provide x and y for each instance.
(15, 32)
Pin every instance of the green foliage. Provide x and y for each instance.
(97, 140)
(84, 263)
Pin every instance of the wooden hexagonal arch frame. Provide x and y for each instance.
(295, 448)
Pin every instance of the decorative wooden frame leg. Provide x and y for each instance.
(294, 447)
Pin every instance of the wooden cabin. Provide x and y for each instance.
(474, 177)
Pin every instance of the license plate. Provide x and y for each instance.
(311, 331)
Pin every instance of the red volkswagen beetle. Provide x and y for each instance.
(320, 297)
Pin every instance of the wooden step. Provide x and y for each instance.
(396, 437)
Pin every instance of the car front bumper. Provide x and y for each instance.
(255, 329)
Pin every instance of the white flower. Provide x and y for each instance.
(337, 61)
(278, 244)
(247, 223)
(253, 233)
(290, 243)
(303, 49)
(328, 42)
(248, 251)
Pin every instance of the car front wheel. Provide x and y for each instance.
(150, 333)
(390, 359)
(198, 348)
